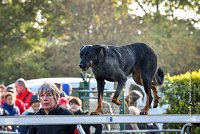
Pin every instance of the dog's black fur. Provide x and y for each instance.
(116, 63)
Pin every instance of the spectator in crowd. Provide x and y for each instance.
(132, 110)
(18, 102)
(49, 96)
(75, 105)
(62, 93)
(2, 92)
(63, 102)
(10, 107)
(35, 107)
(3, 112)
(23, 92)
(2, 89)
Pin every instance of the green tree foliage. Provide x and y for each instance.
(21, 44)
(29, 65)
(45, 36)
(175, 42)
(181, 93)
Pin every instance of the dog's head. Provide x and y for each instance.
(89, 56)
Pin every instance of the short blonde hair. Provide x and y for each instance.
(49, 88)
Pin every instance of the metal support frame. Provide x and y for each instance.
(188, 120)
(186, 128)
(96, 119)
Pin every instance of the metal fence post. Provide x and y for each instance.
(122, 107)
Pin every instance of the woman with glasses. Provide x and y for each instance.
(75, 105)
(49, 96)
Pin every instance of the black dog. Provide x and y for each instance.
(116, 63)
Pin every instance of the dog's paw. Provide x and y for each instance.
(156, 101)
(143, 113)
(94, 113)
(116, 101)
(155, 105)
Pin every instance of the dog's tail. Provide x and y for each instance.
(160, 76)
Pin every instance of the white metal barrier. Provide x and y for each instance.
(98, 119)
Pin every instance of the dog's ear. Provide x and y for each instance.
(97, 48)
(82, 48)
(98, 52)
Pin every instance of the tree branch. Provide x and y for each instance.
(141, 6)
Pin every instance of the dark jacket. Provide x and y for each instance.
(53, 129)
(24, 129)
(12, 109)
(86, 127)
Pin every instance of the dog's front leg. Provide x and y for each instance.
(100, 88)
(120, 86)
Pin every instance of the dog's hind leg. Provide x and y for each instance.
(100, 88)
(147, 77)
(120, 86)
(149, 98)
(155, 93)
(145, 110)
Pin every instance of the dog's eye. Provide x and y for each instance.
(87, 53)
(81, 55)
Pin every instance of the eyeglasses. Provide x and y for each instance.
(73, 103)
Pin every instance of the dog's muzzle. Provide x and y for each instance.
(83, 67)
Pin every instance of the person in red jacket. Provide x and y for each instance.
(23, 92)
(2, 93)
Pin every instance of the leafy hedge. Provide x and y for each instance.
(176, 93)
